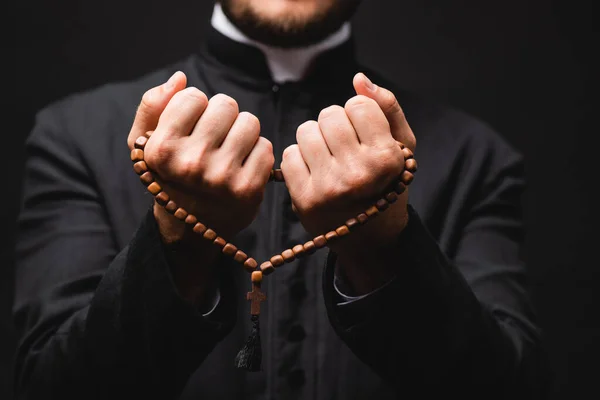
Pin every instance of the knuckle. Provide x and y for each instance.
(250, 122)
(330, 111)
(225, 101)
(306, 128)
(148, 101)
(194, 94)
(358, 102)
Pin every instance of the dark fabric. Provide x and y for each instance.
(99, 316)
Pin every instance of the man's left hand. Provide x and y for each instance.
(345, 161)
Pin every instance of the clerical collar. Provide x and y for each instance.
(284, 64)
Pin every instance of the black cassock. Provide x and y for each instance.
(100, 317)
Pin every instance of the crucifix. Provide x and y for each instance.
(256, 296)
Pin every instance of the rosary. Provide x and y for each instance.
(250, 356)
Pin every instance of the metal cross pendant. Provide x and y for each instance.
(255, 297)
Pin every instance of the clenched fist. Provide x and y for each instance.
(208, 156)
(345, 161)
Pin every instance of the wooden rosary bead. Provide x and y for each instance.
(288, 255)
(140, 142)
(320, 241)
(331, 236)
(250, 264)
(407, 177)
(277, 260)
(362, 218)
(256, 277)
(154, 188)
(299, 250)
(229, 250)
(220, 242)
(400, 188)
(309, 247)
(137, 155)
(148, 134)
(140, 167)
(191, 219)
(352, 223)
(162, 198)
(147, 178)
(241, 257)
(209, 234)
(382, 204)
(342, 230)
(200, 228)
(180, 214)
(267, 268)
(277, 175)
(372, 211)
(391, 197)
(407, 153)
(171, 207)
(411, 165)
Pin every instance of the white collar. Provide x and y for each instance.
(285, 64)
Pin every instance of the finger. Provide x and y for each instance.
(368, 120)
(259, 163)
(242, 137)
(388, 103)
(216, 121)
(294, 169)
(152, 105)
(339, 134)
(181, 114)
(312, 145)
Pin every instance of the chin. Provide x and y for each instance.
(288, 23)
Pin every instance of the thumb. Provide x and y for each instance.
(153, 104)
(388, 103)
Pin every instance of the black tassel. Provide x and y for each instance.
(250, 356)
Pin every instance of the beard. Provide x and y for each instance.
(291, 28)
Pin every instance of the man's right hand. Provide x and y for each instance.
(207, 156)
(211, 160)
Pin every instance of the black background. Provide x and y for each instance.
(523, 66)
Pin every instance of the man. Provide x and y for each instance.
(116, 297)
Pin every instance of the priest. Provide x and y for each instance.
(129, 290)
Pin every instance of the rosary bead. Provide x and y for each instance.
(352, 223)
(320, 241)
(140, 167)
(278, 175)
(241, 257)
(229, 250)
(209, 234)
(171, 206)
(342, 230)
(407, 177)
(154, 188)
(180, 214)
(148, 134)
(250, 264)
(410, 165)
(267, 268)
(277, 260)
(147, 178)
(256, 277)
(162, 198)
(288, 255)
(372, 211)
(331, 236)
(137, 155)
(140, 142)
(299, 250)
(220, 242)
(362, 218)
(391, 197)
(191, 219)
(382, 204)
(199, 228)
(309, 247)
(400, 188)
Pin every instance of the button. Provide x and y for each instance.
(296, 378)
(275, 88)
(296, 334)
(298, 291)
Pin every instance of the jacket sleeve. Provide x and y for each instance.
(94, 320)
(453, 324)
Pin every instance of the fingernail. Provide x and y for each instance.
(370, 85)
(171, 82)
